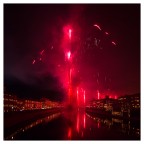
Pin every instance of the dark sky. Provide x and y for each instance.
(36, 33)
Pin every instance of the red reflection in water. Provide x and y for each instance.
(98, 94)
(77, 123)
(98, 124)
(82, 134)
(84, 121)
(69, 133)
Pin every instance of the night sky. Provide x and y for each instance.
(35, 47)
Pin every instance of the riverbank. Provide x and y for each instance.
(109, 115)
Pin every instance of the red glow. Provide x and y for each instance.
(84, 121)
(69, 55)
(82, 134)
(77, 92)
(78, 122)
(33, 62)
(69, 133)
(84, 97)
(70, 74)
(98, 124)
(77, 97)
(67, 32)
(97, 26)
(69, 94)
(113, 43)
(115, 97)
(106, 33)
(70, 33)
(41, 52)
(98, 94)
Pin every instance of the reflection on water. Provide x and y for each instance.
(76, 121)
(39, 121)
(69, 133)
(95, 128)
(126, 127)
(78, 125)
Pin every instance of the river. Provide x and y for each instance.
(78, 125)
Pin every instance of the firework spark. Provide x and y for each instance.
(97, 26)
